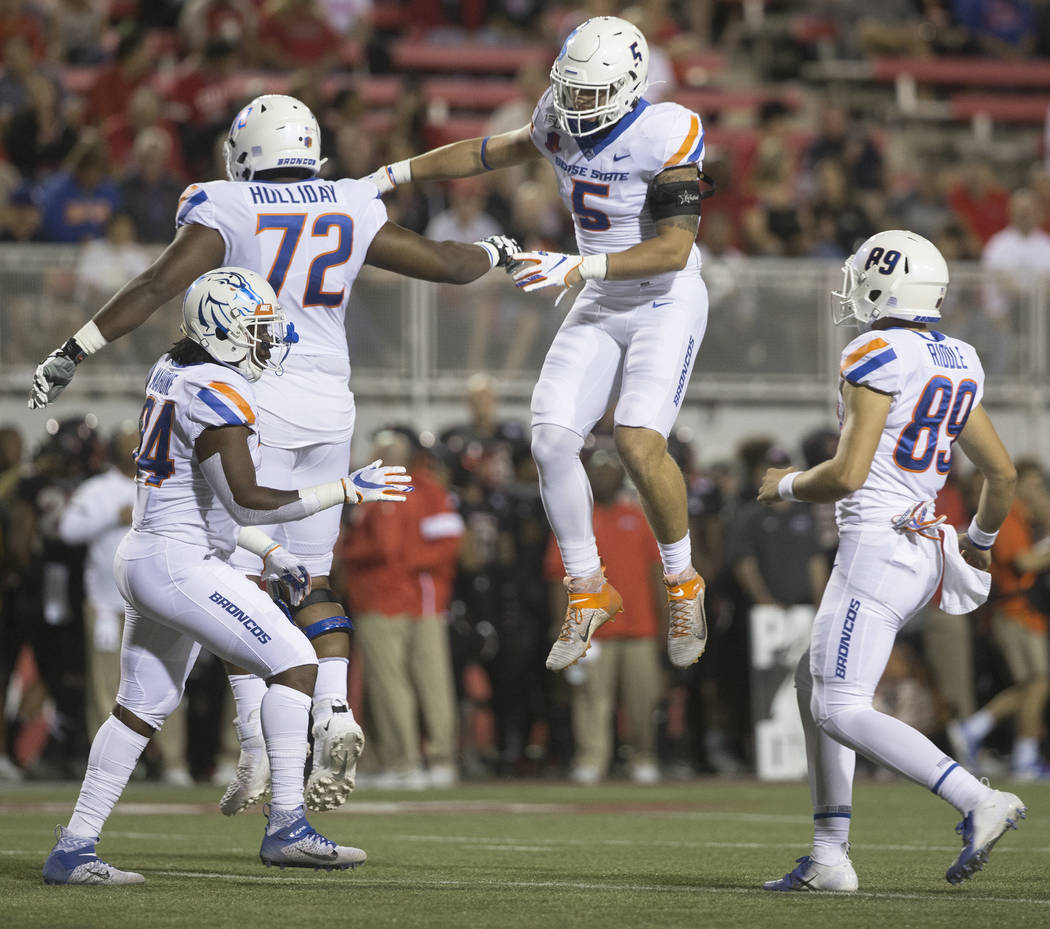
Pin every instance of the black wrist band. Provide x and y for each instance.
(72, 350)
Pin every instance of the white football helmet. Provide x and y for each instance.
(232, 313)
(273, 131)
(599, 75)
(894, 274)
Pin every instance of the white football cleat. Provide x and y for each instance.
(687, 629)
(299, 845)
(586, 613)
(338, 743)
(77, 863)
(251, 780)
(811, 875)
(980, 829)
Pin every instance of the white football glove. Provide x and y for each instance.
(53, 375)
(279, 564)
(377, 482)
(536, 270)
(381, 178)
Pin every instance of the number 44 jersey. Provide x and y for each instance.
(934, 381)
(309, 238)
(174, 499)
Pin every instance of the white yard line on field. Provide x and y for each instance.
(412, 883)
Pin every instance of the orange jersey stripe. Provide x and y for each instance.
(687, 145)
(230, 394)
(862, 351)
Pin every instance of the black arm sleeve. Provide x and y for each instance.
(678, 198)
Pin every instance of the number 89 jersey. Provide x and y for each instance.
(935, 381)
(309, 239)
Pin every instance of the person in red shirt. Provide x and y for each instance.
(979, 201)
(115, 84)
(295, 34)
(624, 656)
(398, 571)
(1020, 631)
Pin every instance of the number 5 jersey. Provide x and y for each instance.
(935, 381)
(310, 239)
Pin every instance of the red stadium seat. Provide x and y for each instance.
(984, 72)
(1004, 108)
(454, 130)
(713, 100)
(470, 94)
(473, 57)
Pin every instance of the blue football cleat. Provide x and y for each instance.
(299, 845)
(812, 875)
(980, 829)
(78, 864)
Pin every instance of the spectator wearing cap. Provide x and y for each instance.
(21, 218)
(775, 551)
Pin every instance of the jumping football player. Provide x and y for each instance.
(908, 394)
(310, 237)
(629, 171)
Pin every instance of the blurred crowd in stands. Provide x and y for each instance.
(467, 580)
(108, 108)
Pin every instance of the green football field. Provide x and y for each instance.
(528, 854)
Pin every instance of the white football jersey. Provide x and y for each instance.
(935, 381)
(174, 499)
(606, 187)
(310, 239)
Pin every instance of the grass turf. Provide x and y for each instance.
(513, 854)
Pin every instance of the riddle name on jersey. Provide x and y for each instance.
(935, 381)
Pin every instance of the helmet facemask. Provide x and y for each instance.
(609, 103)
(233, 315)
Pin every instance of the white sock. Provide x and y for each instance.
(114, 753)
(567, 498)
(248, 692)
(1026, 753)
(979, 725)
(952, 782)
(285, 716)
(830, 766)
(677, 556)
(331, 685)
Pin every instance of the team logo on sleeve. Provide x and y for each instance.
(553, 143)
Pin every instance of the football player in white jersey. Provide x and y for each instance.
(197, 459)
(908, 393)
(629, 171)
(309, 237)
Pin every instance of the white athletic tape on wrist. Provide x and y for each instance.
(400, 172)
(323, 496)
(594, 267)
(979, 538)
(255, 541)
(786, 487)
(89, 338)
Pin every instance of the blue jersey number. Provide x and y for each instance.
(291, 226)
(590, 219)
(153, 455)
(941, 402)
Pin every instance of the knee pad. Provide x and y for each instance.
(553, 445)
(329, 624)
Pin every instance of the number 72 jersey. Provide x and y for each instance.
(934, 381)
